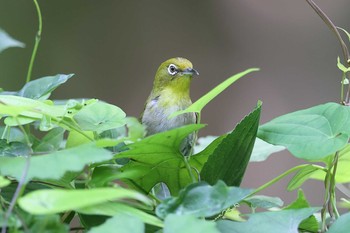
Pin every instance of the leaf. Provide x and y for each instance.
(100, 116)
(309, 224)
(188, 224)
(265, 202)
(203, 143)
(190, 200)
(348, 34)
(51, 141)
(41, 88)
(262, 150)
(341, 225)
(6, 41)
(312, 133)
(13, 149)
(12, 134)
(286, 221)
(55, 165)
(157, 158)
(47, 224)
(4, 182)
(230, 158)
(115, 208)
(204, 100)
(124, 223)
(52, 201)
(302, 175)
(343, 172)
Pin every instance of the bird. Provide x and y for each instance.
(171, 93)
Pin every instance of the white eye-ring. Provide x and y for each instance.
(172, 69)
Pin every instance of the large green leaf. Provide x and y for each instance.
(157, 158)
(188, 224)
(312, 133)
(286, 221)
(121, 223)
(55, 165)
(341, 225)
(204, 100)
(190, 201)
(100, 116)
(6, 41)
(229, 160)
(52, 201)
(41, 88)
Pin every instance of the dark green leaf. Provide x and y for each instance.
(41, 88)
(312, 133)
(191, 200)
(188, 224)
(48, 224)
(55, 165)
(12, 134)
(14, 149)
(51, 141)
(286, 221)
(157, 159)
(230, 158)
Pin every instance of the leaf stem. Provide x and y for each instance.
(36, 44)
(278, 178)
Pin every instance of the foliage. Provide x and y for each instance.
(85, 160)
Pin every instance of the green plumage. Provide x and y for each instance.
(171, 93)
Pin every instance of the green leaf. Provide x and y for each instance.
(14, 149)
(286, 221)
(309, 224)
(41, 88)
(204, 100)
(100, 116)
(47, 224)
(312, 133)
(12, 134)
(188, 224)
(343, 172)
(103, 175)
(54, 201)
(115, 208)
(55, 165)
(302, 175)
(348, 34)
(230, 158)
(4, 182)
(124, 223)
(157, 158)
(6, 41)
(191, 200)
(265, 202)
(262, 150)
(341, 225)
(51, 141)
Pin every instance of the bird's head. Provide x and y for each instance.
(174, 74)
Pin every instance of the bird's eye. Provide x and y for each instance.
(172, 69)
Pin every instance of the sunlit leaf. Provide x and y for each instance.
(312, 133)
(122, 222)
(4, 182)
(55, 165)
(188, 224)
(100, 116)
(53, 201)
(204, 100)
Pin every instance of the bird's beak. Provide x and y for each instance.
(190, 71)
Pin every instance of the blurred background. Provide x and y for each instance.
(114, 47)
